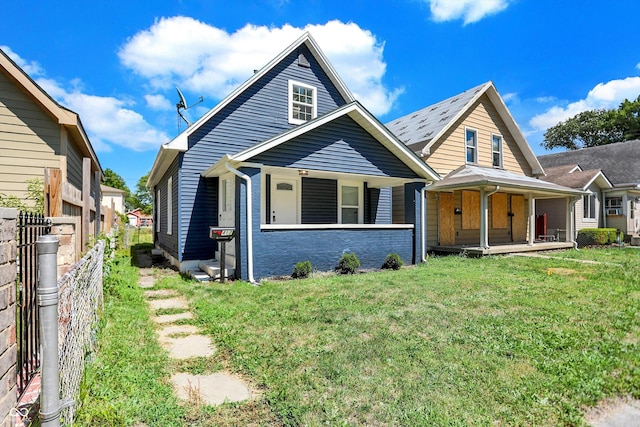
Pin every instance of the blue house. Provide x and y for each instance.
(297, 167)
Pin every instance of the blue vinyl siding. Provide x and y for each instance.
(339, 146)
(378, 206)
(168, 242)
(257, 114)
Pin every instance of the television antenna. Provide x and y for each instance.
(182, 105)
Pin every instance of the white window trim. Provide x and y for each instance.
(500, 151)
(595, 208)
(170, 205)
(360, 206)
(475, 154)
(158, 210)
(314, 113)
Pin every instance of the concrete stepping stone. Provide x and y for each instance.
(168, 303)
(170, 332)
(172, 318)
(159, 293)
(146, 282)
(146, 271)
(188, 347)
(213, 389)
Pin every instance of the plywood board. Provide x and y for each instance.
(519, 219)
(447, 225)
(471, 210)
(499, 211)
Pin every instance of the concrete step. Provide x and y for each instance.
(199, 275)
(212, 268)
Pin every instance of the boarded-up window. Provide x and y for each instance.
(499, 211)
(470, 210)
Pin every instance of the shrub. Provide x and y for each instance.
(348, 264)
(597, 236)
(302, 270)
(392, 262)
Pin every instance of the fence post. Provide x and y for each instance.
(47, 247)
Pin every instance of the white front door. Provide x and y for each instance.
(226, 213)
(284, 206)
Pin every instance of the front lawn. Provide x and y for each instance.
(456, 341)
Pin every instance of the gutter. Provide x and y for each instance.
(247, 179)
(423, 222)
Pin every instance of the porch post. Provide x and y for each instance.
(569, 222)
(484, 219)
(532, 219)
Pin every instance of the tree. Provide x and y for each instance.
(112, 179)
(142, 198)
(596, 127)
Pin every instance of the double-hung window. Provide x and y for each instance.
(158, 216)
(496, 150)
(170, 205)
(471, 143)
(613, 205)
(302, 102)
(350, 204)
(589, 206)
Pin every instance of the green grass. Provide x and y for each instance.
(456, 341)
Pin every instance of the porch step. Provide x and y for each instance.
(212, 268)
(198, 274)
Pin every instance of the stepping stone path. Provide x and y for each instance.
(184, 341)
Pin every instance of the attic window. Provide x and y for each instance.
(302, 102)
(303, 61)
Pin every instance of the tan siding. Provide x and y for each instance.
(449, 154)
(432, 219)
(29, 139)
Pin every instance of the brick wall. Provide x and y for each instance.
(8, 347)
(67, 229)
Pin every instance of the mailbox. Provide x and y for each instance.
(222, 235)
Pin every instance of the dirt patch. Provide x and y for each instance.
(618, 412)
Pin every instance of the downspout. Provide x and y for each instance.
(572, 209)
(247, 179)
(423, 222)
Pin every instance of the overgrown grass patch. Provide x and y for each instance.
(456, 341)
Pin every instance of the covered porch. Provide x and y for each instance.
(485, 211)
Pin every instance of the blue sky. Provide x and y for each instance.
(117, 63)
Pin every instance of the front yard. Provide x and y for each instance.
(456, 341)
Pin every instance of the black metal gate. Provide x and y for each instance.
(30, 227)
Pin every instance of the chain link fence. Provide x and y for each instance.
(79, 308)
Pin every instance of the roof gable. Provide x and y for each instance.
(425, 128)
(618, 161)
(353, 111)
(305, 44)
(574, 177)
(62, 115)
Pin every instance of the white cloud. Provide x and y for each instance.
(158, 102)
(32, 68)
(511, 97)
(469, 10)
(209, 61)
(604, 95)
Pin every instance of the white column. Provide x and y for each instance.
(484, 219)
(532, 219)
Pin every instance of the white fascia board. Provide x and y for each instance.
(218, 167)
(165, 156)
(600, 180)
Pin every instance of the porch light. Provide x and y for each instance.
(457, 211)
(303, 172)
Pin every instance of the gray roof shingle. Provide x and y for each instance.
(620, 162)
(423, 125)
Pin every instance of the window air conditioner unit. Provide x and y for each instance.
(614, 212)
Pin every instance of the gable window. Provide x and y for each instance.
(613, 206)
(496, 150)
(302, 102)
(170, 205)
(471, 142)
(589, 206)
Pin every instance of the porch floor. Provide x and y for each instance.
(502, 248)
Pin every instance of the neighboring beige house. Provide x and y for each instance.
(485, 202)
(113, 197)
(589, 210)
(37, 133)
(620, 162)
